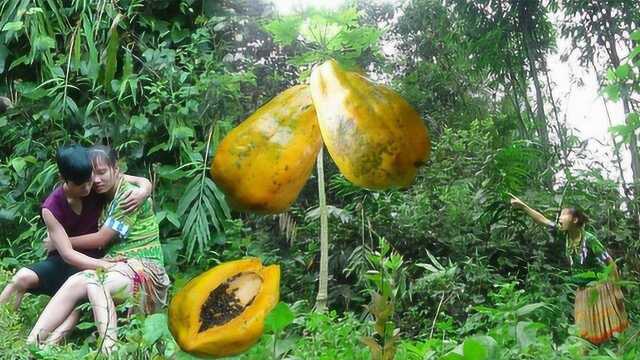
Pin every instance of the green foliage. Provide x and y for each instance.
(309, 335)
(625, 81)
(601, 25)
(324, 35)
(119, 77)
(13, 341)
(386, 280)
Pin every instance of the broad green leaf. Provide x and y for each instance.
(162, 146)
(18, 164)
(13, 26)
(283, 346)
(279, 318)
(71, 105)
(30, 159)
(77, 47)
(115, 85)
(133, 85)
(633, 121)
(284, 30)
(9, 260)
(4, 52)
(171, 173)
(57, 72)
(624, 131)
(182, 132)
(361, 38)
(529, 308)
(479, 348)
(220, 26)
(635, 35)
(318, 29)
(173, 218)
(43, 43)
(177, 34)
(127, 67)
(93, 67)
(192, 191)
(34, 10)
(309, 57)
(139, 122)
(160, 215)
(25, 59)
(455, 354)
(155, 327)
(613, 92)
(221, 200)
(526, 332)
(170, 250)
(85, 325)
(622, 72)
(111, 62)
(347, 17)
(212, 214)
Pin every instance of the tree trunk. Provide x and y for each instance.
(525, 98)
(633, 143)
(525, 30)
(561, 134)
(616, 150)
(516, 104)
(323, 277)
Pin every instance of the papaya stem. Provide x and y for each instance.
(323, 278)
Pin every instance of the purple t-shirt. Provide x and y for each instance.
(74, 224)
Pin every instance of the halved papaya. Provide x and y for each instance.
(263, 163)
(374, 136)
(221, 312)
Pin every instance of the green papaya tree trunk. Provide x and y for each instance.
(323, 278)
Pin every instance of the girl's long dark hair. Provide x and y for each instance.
(579, 215)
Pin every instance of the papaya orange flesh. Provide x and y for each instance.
(221, 312)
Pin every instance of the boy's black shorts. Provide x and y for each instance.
(53, 272)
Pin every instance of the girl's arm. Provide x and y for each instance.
(135, 198)
(534, 214)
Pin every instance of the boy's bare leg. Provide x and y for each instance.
(60, 306)
(65, 328)
(22, 281)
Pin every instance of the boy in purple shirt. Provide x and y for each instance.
(77, 209)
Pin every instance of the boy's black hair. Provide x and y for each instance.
(74, 164)
(104, 153)
(579, 215)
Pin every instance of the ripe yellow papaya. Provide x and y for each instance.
(375, 137)
(221, 311)
(264, 162)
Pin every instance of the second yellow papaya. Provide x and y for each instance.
(375, 137)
